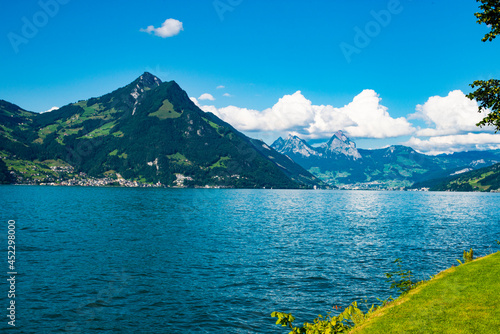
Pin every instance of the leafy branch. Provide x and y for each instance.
(401, 279)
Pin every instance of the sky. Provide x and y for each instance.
(384, 72)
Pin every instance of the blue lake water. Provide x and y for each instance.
(122, 260)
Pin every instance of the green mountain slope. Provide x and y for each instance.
(483, 179)
(146, 132)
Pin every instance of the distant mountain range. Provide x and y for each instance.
(339, 163)
(148, 133)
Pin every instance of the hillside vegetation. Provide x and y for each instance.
(146, 133)
(483, 179)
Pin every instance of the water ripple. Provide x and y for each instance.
(101, 260)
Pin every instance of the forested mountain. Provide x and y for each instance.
(148, 132)
(483, 179)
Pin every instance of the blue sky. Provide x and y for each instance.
(408, 53)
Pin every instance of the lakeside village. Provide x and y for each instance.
(64, 175)
(83, 180)
(58, 173)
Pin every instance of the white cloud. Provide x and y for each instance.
(451, 121)
(206, 96)
(456, 143)
(291, 111)
(227, 95)
(368, 118)
(195, 101)
(51, 109)
(221, 87)
(449, 115)
(169, 28)
(327, 120)
(364, 117)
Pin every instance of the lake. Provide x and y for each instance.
(109, 260)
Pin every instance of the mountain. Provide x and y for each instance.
(293, 170)
(483, 179)
(146, 133)
(293, 145)
(340, 144)
(339, 163)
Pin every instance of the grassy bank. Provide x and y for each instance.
(462, 299)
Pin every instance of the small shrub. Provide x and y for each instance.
(468, 256)
(400, 278)
(330, 324)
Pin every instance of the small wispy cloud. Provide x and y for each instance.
(227, 95)
(221, 87)
(169, 28)
(51, 109)
(206, 96)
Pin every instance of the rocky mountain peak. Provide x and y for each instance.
(149, 80)
(278, 144)
(341, 144)
(145, 82)
(294, 145)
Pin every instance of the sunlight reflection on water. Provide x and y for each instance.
(208, 260)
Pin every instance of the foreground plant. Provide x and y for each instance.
(401, 279)
(330, 324)
(352, 315)
(468, 256)
(487, 92)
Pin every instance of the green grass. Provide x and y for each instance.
(141, 179)
(69, 131)
(476, 182)
(33, 170)
(212, 124)
(102, 131)
(55, 163)
(165, 111)
(463, 299)
(221, 163)
(331, 177)
(65, 132)
(88, 112)
(6, 132)
(179, 159)
(115, 152)
(47, 130)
